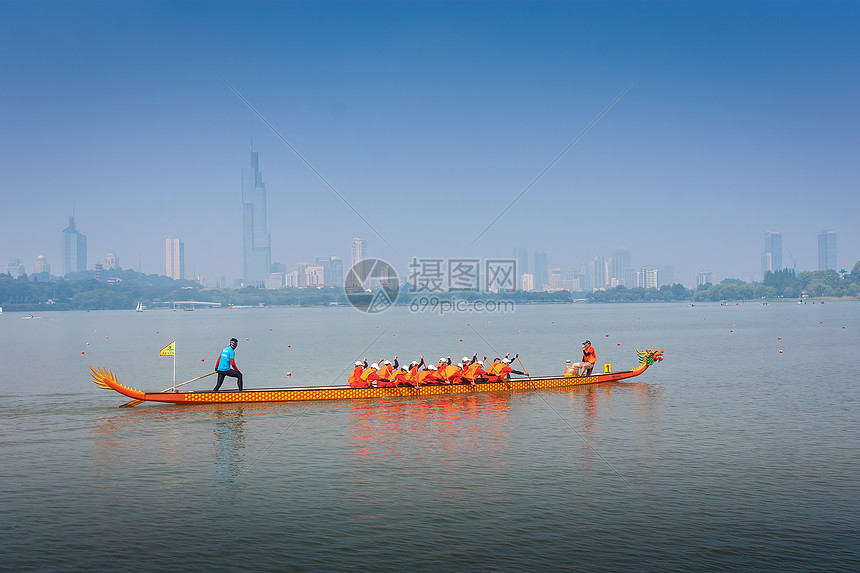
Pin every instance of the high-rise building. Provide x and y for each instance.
(541, 271)
(15, 268)
(601, 273)
(315, 276)
(336, 265)
(275, 281)
(301, 274)
(41, 266)
(827, 251)
(772, 258)
(74, 249)
(174, 257)
(647, 278)
(704, 277)
(527, 282)
(620, 261)
(522, 256)
(359, 250)
(111, 261)
(256, 240)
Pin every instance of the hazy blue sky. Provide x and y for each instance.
(430, 118)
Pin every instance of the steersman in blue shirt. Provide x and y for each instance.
(226, 365)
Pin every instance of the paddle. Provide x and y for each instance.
(136, 402)
(517, 356)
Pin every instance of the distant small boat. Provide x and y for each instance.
(140, 307)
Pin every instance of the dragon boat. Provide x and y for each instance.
(107, 380)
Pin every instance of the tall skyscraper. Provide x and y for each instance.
(74, 249)
(620, 261)
(336, 271)
(256, 240)
(772, 258)
(359, 250)
(541, 271)
(522, 257)
(827, 251)
(601, 273)
(174, 257)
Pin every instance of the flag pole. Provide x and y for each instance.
(174, 366)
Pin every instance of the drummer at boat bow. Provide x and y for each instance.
(226, 365)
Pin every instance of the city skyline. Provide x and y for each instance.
(684, 150)
(328, 271)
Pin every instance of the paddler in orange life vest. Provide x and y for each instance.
(427, 376)
(589, 357)
(355, 377)
(463, 377)
(371, 375)
(414, 369)
(387, 369)
(386, 374)
(446, 372)
(474, 372)
(500, 369)
(399, 377)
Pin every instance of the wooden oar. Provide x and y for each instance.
(136, 402)
(526, 371)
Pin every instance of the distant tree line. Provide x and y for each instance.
(779, 284)
(123, 289)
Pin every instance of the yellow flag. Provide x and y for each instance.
(167, 350)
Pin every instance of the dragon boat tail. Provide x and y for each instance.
(107, 379)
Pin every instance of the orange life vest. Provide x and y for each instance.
(589, 354)
(356, 374)
(452, 373)
(385, 371)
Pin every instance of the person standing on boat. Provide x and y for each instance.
(589, 357)
(226, 365)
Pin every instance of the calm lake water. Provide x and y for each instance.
(728, 455)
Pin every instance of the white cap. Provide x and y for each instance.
(481, 362)
(375, 366)
(506, 360)
(568, 361)
(413, 363)
(431, 367)
(464, 359)
(357, 363)
(442, 360)
(386, 361)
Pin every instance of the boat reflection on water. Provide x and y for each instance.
(229, 442)
(382, 427)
